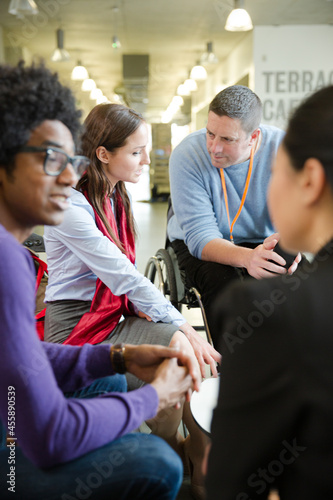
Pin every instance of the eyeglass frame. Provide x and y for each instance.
(48, 150)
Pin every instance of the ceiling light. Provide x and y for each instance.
(116, 98)
(115, 39)
(191, 84)
(116, 42)
(166, 117)
(22, 8)
(79, 73)
(96, 94)
(88, 84)
(239, 19)
(102, 100)
(209, 57)
(60, 54)
(198, 72)
(183, 90)
(177, 100)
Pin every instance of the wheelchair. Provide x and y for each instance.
(162, 269)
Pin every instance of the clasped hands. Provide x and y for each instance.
(169, 370)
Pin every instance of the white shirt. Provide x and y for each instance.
(78, 253)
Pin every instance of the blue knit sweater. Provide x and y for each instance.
(197, 195)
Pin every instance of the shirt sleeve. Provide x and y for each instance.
(49, 428)
(81, 236)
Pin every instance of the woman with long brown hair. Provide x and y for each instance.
(93, 282)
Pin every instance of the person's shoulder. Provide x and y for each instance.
(78, 204)
(14, 257)
(191, 149)
(245, 295)
(272, 131)
(78, 198)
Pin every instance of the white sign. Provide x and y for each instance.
(290, 63)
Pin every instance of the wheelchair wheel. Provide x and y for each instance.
(159, 270)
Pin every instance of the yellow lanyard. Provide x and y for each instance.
(224, 187)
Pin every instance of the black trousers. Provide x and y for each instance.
(210, 278)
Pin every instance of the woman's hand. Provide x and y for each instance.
(144, 316)
(204, 352)
(294, 265)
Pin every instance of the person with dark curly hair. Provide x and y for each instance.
(57, 446)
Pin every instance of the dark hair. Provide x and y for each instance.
(107, 125)
(238, 102)
(310, 132)
(28, 96)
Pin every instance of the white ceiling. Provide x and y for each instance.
(173, 32)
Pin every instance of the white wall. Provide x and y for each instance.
(238, 64)
(290, 62)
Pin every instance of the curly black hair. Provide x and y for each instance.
(28, 96)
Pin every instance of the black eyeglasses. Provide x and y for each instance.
(56, 160)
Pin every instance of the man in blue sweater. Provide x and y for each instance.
(60, 447)
(221, 229)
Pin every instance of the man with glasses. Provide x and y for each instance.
(56, 160)
(61, 447)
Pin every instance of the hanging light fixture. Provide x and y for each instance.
(239, 19)
(209, 57)
(79, 73)
(115, 39)
(191, 84)
(22, 8)
(198, 72)
(95, 94)
(183, 90)
(60, 54)
(88, 85)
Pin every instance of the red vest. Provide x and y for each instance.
(106, 308)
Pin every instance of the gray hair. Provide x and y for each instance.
(241, 103)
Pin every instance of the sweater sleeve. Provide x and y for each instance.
(82, 365)
(50, 428)
(191, 176)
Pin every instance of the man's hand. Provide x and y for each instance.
(263, 262)
(172, 383)
(144, 362)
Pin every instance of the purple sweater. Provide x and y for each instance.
(50, 428)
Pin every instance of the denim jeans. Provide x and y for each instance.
(135, 466)
(114, 383)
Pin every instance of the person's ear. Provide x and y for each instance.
(254, 137)
(102, 154)
(313, 181)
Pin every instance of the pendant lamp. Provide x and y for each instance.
(60, 54)
(239, 19)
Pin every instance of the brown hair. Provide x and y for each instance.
(107, 125)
